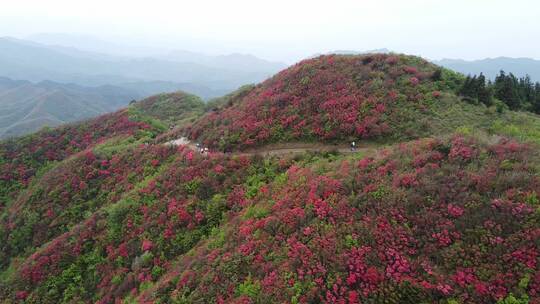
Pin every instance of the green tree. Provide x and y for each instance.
(484, 93)
(506, 90)
(536, 104)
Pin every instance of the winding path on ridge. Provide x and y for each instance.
(288, 148)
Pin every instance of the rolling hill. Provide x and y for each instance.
(26, 107)
(443, 208)
(336, 97)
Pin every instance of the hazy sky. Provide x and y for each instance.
(288, 30)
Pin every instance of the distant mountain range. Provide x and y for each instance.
(21, 59)
(492, 66)
(237, 62)
(94, 44)
(61, 83)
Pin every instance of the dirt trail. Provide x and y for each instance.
(295, 148)
(287, 148)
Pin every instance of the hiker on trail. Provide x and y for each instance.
(199, 148)
(353, 146)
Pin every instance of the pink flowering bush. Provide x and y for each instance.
(355, 235)
(72, 190)
(133, 241)
(21, 158)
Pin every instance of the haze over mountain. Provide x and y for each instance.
(26, 60)
(93, 44)
(492, 66)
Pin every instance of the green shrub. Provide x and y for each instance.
(256, 211)
(511, 299)
(249, 288)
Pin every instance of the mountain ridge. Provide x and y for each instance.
(32, 61)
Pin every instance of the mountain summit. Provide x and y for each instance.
(330, 98)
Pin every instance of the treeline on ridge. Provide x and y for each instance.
(514, 93)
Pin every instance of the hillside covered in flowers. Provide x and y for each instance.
(444, 209)
(330, 98)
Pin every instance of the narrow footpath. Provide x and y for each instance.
(284, 149)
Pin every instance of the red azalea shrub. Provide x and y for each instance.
(73, 189)
(21, 295)
(21, 158)
(324, 239)
(147, 245)
(163, 219)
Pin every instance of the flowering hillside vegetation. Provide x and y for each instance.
(444, 209)
(330, 98)
(446, 221)
(21, 158)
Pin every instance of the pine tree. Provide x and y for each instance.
(483, 92)
(475, 88)
(465, 90)
(528, 94)
(536, 106)
(506, 90)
